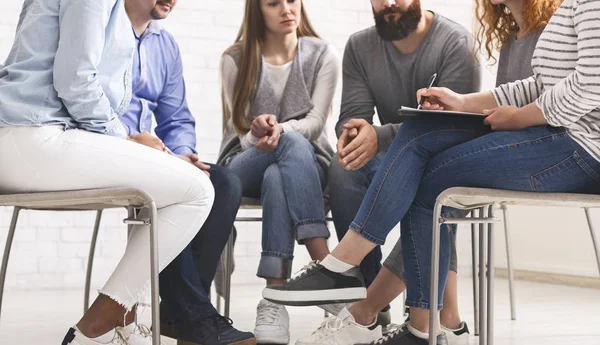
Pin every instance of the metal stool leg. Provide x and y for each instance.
(474, 273)
(482, 275)
(154, 270)
(435, 269)
(594, 240)
(229, 272)
(490, 278)
(509, 263)
(90, 265)
(9, 241)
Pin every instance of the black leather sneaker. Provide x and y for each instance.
(214, 330)
(402, 336)
(316, 285)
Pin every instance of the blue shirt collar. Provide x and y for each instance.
(154, 28)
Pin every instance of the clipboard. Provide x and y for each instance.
(406, 113)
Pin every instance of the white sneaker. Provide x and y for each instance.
(139, 335)
(457, 336)
(341, 330)
(272, 323)
(75, 337)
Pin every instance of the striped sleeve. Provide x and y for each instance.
(579, 93)
(519, 93)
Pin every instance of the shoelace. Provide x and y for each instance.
(392, 334)
(328, 327)
(221, 323)
(304, 271)
(122, 337)
(144, 330)
(267, 313)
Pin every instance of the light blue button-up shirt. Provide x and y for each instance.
(159, 91)
(69, 65)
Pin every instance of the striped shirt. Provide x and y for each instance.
(566, 81)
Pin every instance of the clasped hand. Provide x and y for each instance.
(357, 145)
(266, 128)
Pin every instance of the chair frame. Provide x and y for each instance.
(91, 200)
(482, 199)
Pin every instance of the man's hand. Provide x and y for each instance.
(147, 139)
(263, 125)
(269, 142)
(193, 159)
(362, 146)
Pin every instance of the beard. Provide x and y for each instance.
(157, 15)
(395, 30)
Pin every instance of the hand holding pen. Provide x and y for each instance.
(429, 85)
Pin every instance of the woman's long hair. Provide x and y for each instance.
(496, 23)
(248, 42)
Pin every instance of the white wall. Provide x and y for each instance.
(51, 249)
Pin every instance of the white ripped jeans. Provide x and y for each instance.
(41, 159)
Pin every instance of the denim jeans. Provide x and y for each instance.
(347, 188)
(429, 155)
(289, 182)
(185, 283)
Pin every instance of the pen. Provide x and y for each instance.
(431, 81)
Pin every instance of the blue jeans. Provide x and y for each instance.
(289, 183)
(430, 155)
(185, 282)
(347, 188)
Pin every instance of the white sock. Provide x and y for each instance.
(462, 325)
(335, 265)
(103, 339)
(418, 333)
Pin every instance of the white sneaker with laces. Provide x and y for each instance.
(75, 337)
(272, 323)
(341, 330)
(139, 335)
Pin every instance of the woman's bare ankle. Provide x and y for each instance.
(103, 316)
(363, 315)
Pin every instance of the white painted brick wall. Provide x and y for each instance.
(51, 249)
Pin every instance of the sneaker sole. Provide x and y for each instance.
(316, 297)
(251, 341)
(275, 341)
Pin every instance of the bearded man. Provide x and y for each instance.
(383, 67)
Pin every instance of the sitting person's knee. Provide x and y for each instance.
(295, 141)
(225, 182)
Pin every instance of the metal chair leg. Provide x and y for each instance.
(482, 276)
(474, 273)
(154, 271)
(490, 278)
(435, 269)
(509, 263)
(593, 234)
(90, 265)
(229, 265)
(9, 241)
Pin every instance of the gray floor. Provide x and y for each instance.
(547, 315)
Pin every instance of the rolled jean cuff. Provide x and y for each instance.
(361, 231)
(422, 305)
(311, 228)
(397, 267)
(275, 266)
